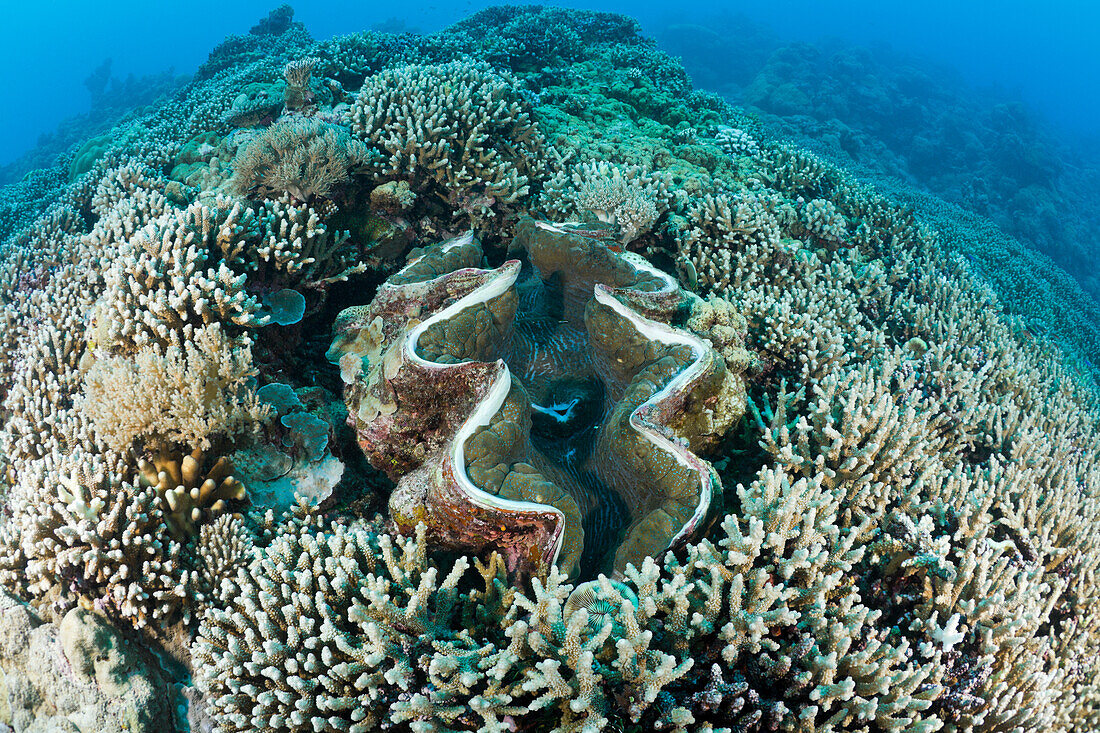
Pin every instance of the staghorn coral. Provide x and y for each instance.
(822, 221)
(203, 264)
(589, 677)
(1069, 317)
(797, 172)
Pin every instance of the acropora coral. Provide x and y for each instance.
(497, 380)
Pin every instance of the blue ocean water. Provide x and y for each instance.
(1046, 53)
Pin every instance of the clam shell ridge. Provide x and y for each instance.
(436, 406)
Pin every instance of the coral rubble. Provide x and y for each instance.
(313, 419)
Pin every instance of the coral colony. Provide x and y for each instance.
(496, 380)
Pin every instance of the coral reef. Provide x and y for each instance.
(738, 444)
(897, 117)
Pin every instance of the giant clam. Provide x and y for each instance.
(550, 410)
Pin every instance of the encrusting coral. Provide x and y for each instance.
(907, 464)
(80, 669)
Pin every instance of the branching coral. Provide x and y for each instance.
(459, 131)
(189, 491)
(161, 279)
(348, 594)
(912, 441)
(400, 634)
(625, 196)
(306, 158)
(190, 392)
(720, 226)
(102, 536)
(349, 599)
(279, 242)
(735, 142)
(822, 220)
(224, 545)
(195, 266)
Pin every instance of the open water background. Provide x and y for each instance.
(1046, 54)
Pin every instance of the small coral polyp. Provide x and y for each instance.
(551, 410)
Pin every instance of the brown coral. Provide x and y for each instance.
(306, 158)
(191, 493)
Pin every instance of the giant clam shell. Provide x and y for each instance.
(551, 412)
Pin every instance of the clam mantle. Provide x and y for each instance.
(549, 409)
